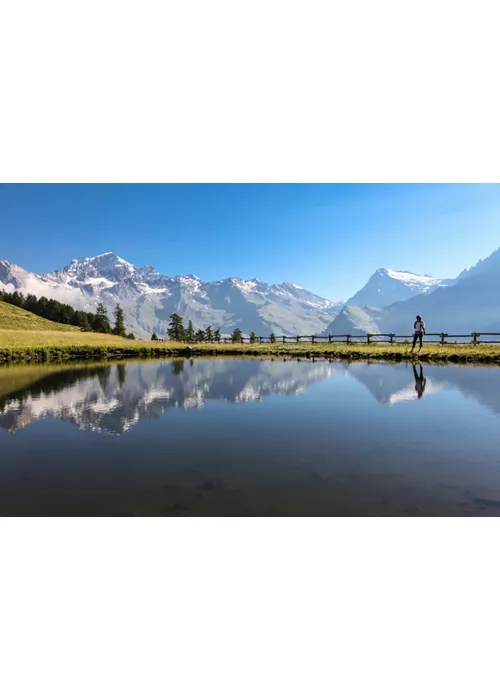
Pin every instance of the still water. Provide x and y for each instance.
(249, 437)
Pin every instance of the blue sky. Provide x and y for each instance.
(326, 238)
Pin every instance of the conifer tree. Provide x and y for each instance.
(101, 321)
(253, 337)
(217, 336)
(209, 335)
(175, 328)
(237, 336)
(190, 332)
(119, 328)
(154, 336)
(272, 338)
(199, 336)
(85, 326)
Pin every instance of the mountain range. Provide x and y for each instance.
(148, 297)
(387, 303)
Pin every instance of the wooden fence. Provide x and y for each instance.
(440, 338)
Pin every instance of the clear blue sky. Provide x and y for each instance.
(326, 238)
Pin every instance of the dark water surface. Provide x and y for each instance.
(249, 437)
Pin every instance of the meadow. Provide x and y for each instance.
(48, 345)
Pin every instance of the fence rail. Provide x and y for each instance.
(390, 338)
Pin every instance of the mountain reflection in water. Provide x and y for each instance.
(249, 437)
(113, 398)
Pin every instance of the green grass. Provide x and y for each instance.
(49, 345)
(12, 317)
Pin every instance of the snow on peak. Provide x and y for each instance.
(410, 277)
(113, 259)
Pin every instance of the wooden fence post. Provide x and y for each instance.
(368, 336)
(442, 338)
(474, 335)
(348, 338)
(313, 339)
(284, 341)
(391, 336)
(298, 338)
(329, 338)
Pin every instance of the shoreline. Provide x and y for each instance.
(47, 353)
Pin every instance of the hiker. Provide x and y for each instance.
(418, 332)
(420, 381)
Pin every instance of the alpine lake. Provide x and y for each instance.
(249, 437)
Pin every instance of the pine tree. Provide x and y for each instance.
(176, 329)
(209, 335)
(101, 321)
(53, 310)
(237, 336)
(85, 326)
(190, 332)
(119, 328)
(272, 338)
(154, 336)
(217, 336)
(199, 336)
(131, 336)
(31, 303)
(253, 337)
(16, 299)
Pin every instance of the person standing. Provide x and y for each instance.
(418, 332)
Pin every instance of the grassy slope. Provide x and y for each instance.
(47, 344)
(12, 317)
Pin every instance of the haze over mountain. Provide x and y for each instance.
(387, 303)
(387, 286)
(470, 303)
(148, 297)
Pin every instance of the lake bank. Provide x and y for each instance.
(48, 346)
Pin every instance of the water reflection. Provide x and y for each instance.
(420, 381)
(113, 398)
(397, 383)
(249, 437)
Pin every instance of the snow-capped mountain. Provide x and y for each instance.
(388, 286)
(149, 297)
(470, 303)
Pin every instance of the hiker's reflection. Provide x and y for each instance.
(420, 381)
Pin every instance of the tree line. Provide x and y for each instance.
(176, 331)
(58, 312)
